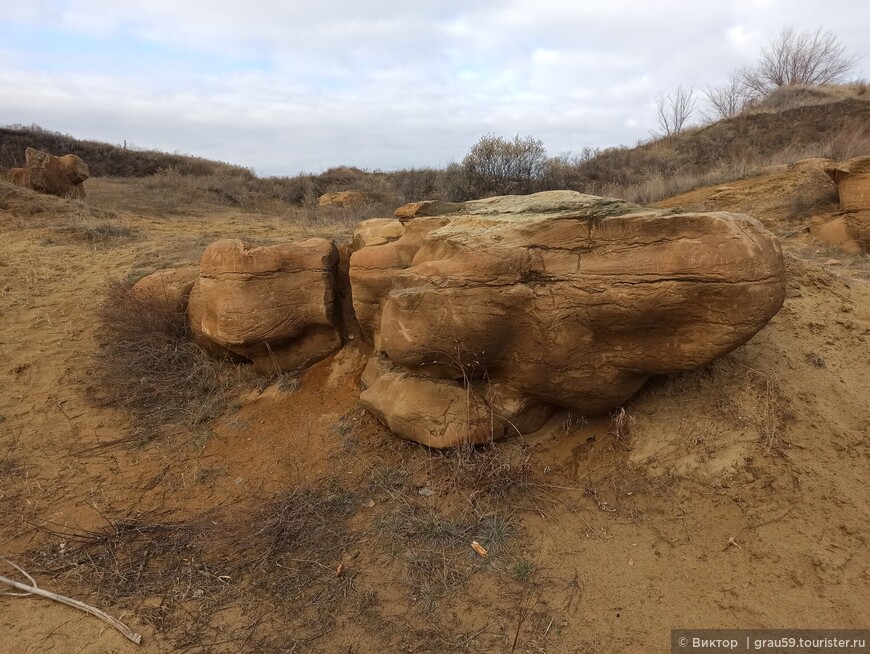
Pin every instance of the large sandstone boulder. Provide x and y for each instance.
(273, 305)
(343, 199)
(852, 178)
(488, 318)
(63, 176)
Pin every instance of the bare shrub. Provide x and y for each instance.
(793, 58)
(493, 471)
(413, 184)
(498, 166)
(675, 109)
(727, 100)
(147, 364)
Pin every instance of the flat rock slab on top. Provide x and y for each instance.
(491, 316)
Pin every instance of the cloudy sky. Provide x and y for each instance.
(294, 86)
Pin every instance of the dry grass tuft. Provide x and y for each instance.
(852, 140)
(490, 471)
(139, 558)
(621, 425)
(303, 524)
(147, 364)
(99, 234)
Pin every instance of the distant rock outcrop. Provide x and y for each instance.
(343, 199)
(273, 305)
(63, 176)
(851, 230)
(852, 178)
(489, 317)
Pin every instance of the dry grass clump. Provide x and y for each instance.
(141, 561)
(433, 540)
(303, 525)
(495, 471)
(621, 425)
(147, 364)
(470, 495)
(852, 140)
(99, 233)
(279, 560)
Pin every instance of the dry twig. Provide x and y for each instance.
(34, 589)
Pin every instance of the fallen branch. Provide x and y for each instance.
(33, 589)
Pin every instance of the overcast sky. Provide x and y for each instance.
(292, 86)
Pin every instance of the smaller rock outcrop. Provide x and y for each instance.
(168, 289)
(43, 172)
(852, 178)
(344, 199)
(272, 305)
(851, 230)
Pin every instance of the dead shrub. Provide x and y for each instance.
(147, 364)
(434, 543)
(140, 555)
(851, 140)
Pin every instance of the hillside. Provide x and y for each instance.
(790, 124)
(103, 159)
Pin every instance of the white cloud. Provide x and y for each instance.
(289, 86)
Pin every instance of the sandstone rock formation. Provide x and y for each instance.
(853, 181)
(851, 230)
(488, 317)
(343, 199)
(168, 289)
(45, 173)
(273, 305)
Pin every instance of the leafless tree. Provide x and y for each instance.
(727, 100)
(675, 109)
(799, 58)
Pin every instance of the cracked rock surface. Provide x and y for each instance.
(273, 305)
(487, 317)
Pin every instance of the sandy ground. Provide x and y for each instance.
(738, 495)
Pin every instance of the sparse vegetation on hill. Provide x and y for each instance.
(789, 123)
(103, 159)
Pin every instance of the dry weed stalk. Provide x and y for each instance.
(621, 425)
